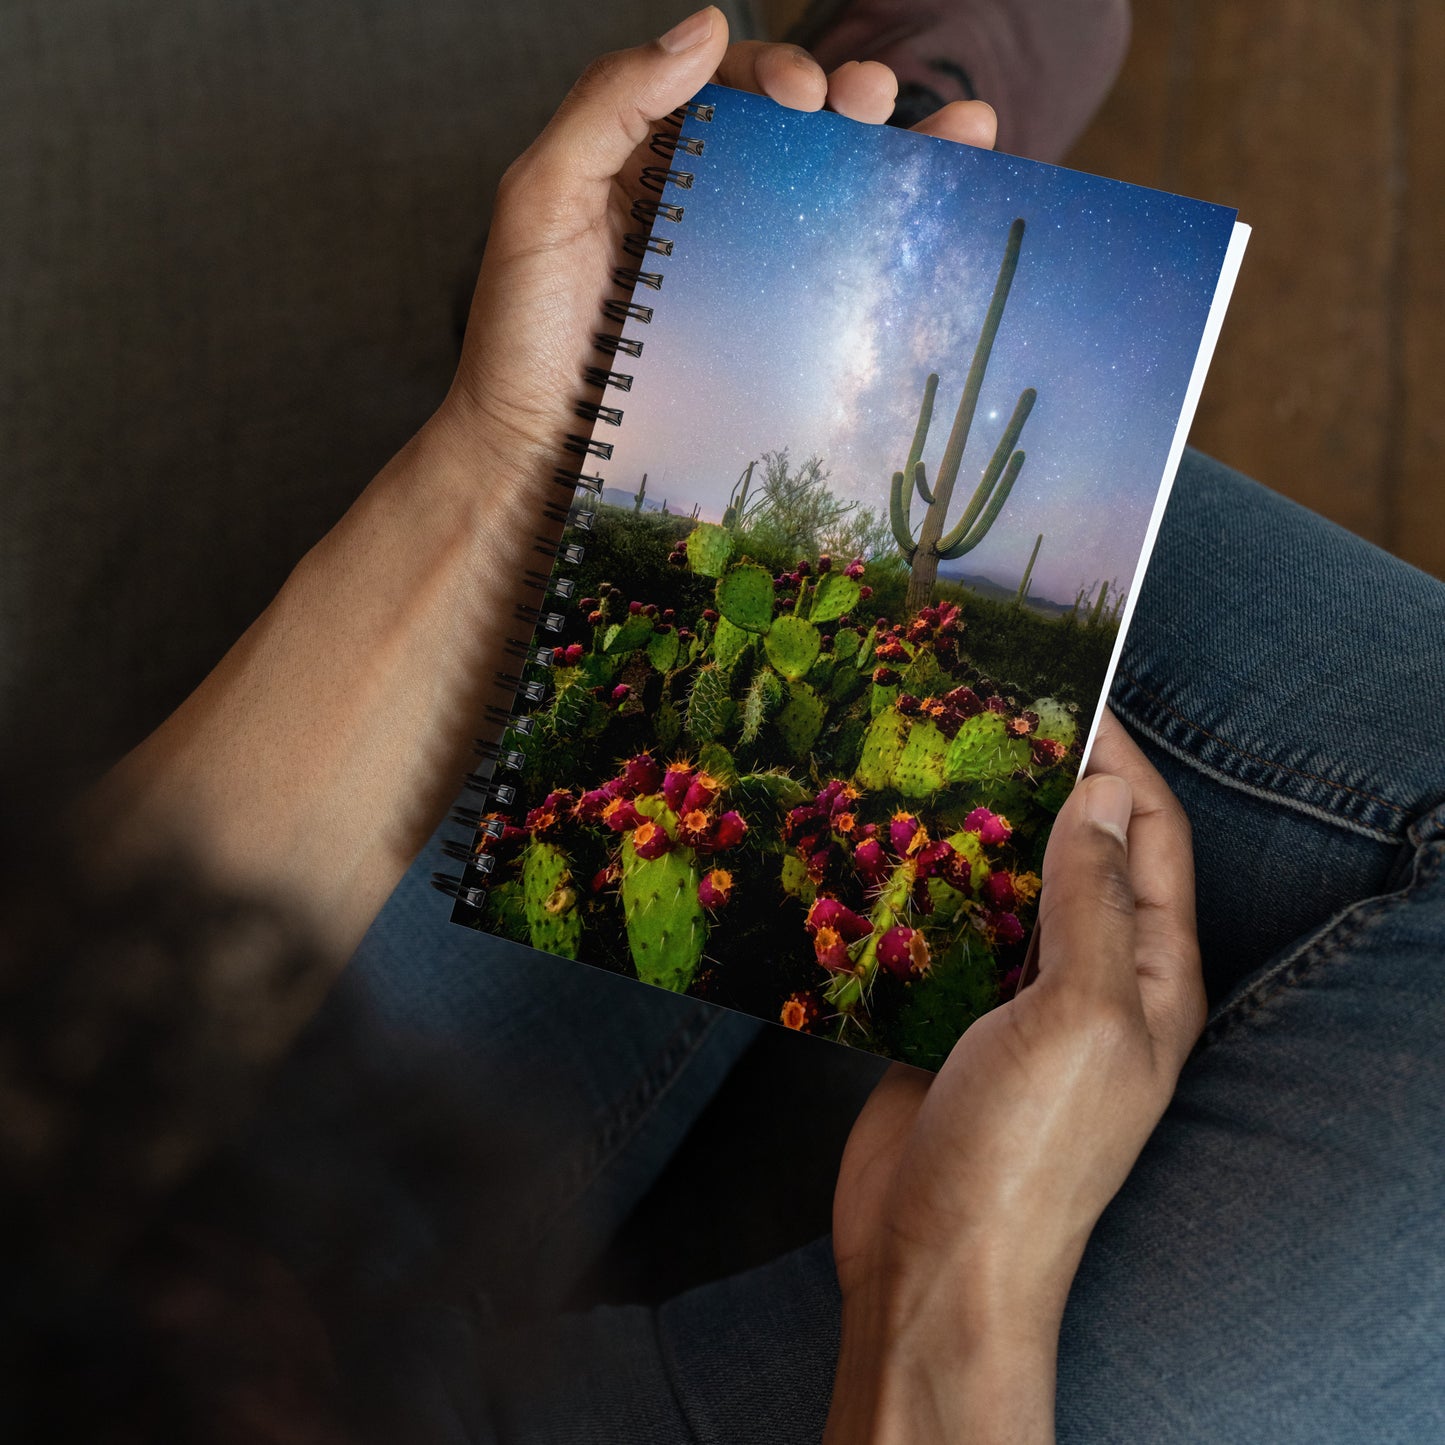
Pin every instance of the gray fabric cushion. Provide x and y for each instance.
(234, 242)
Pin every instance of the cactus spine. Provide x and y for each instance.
(1028, 573)
(640, 494)
(933, 545)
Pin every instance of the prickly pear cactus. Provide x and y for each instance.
(846, 645)
(667, 723)
(765, 695)
(745, 597)
(881, 698)
(882, 747)
(979, 750)
(554, 922)
(1056, 722)
(627, 636)
(709, 708)
(836, 595)
(967, 845)
(792, 645)
(847, 683)
(662, 650)
(715, 760)
(708, 549)
(729, 642)
(666, 926)
(801, 719)
(919, 771)
(923, 677)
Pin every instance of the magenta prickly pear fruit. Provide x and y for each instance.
(830, 913)
(1046, 752)
(594, 619)
(854, 569)
(934, 858)
(800, 1012)
(999, 892)
(729, 830)
(1004, 928)
(831, 950)
(675, 782)
(634, 608)
(907, 704)
(572, 654)
(694, 826)
(588, 604)
(650, 840)
(620, 815)
(870, 859)
(992, 829)
(825, 564)
(715, 888)
(886, 677)
(701, 791)
(903, 951)
(641, 774)
(621, 692)
(903, 831)
(709, 615)
(865, 593)
(997, 704)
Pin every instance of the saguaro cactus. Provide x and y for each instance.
(932, 545)
(1028, 572)
(736, 512)
(640, 494)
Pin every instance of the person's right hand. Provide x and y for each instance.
(965, 1201)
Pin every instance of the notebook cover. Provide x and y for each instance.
(883, 479)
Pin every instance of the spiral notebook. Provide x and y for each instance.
(868, 471)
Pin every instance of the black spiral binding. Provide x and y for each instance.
(501, 752)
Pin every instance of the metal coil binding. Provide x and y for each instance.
(526, 682)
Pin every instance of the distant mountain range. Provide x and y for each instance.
(997, 592)
(621, 497)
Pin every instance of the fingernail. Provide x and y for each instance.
(687, 33)
(1108, 804)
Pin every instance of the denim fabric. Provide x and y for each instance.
(1274, 1268)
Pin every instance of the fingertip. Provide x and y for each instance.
(1107, 803)
(863, 90)
(967, 122)
(790, 76)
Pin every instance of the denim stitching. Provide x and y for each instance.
(1255, 757)
(1331, 940)
(1252, 790)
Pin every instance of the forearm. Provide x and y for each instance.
(963, 1373)
(320, 753)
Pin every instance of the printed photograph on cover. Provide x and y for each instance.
(876, 501)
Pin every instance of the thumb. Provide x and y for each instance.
(614, 105)
(1086, 911)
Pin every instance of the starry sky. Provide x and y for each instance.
(823, 268)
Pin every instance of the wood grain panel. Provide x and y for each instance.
(1417, 494)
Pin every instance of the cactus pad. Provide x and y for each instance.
(662, 650)
(765, 695)
(554, 922)
(709, 708)
(715, 759)
(801, 719)
(881, 699)
(847, 683)
(666, 723)
(627, 636)
(923, 677)
(846, 645)
(745, 597)
(919, 771)
(708, 549)
(836, 595)
(666, 926)
(979, 750)
(882, 747)
(1056, 722)
(729, 642)
(792, 646)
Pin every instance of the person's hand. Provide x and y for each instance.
(564, 207)
(965, 1201)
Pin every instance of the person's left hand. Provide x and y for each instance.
(564, 207)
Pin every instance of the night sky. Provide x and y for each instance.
(823, 268)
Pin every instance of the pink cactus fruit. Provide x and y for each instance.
(870, 859)
(854, 569)
(997, 704)
(621, 692)
(992, 828)
(1003, 928)
(903, 951)
(729, 831)
(715, 888)
(701, 791)
(620, 815)
(831, 950)
(904, 831)
(1046, 752)
(694, 826)
(800, 1011)
(998, 891)
(830, 913)
(933, 858)
(573, 653)
(825, 563)
(650, 840)
(640, 774)
(675, 783)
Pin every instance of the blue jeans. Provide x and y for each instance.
(1274, 1268)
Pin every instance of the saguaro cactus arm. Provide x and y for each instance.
(991, 492)
(898, 509)
(913, 466)
(962, 540)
